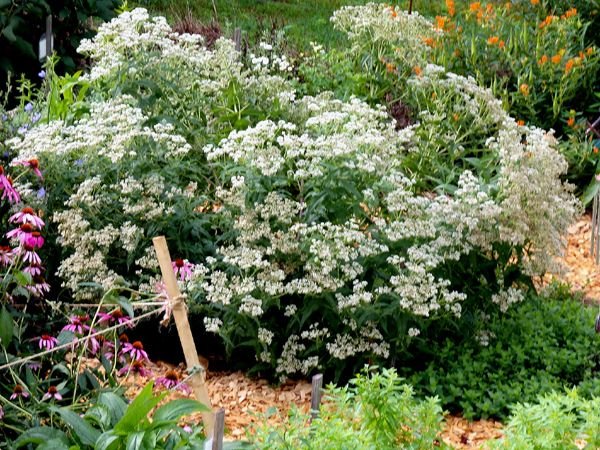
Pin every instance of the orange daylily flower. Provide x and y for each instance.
(543, 60)
(595, 149)
(493, 40)
(569, 65)
(556, 59)
(440, 22)
(571, 122)
(417, 70)
(521, 123)
(429, 41)
(475, 6)
(451, 7)
(524, 88)
(570, 13)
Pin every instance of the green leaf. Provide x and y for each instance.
(65, 337)
(115, 404)
(177, 408)
(5, 3)
(135, 440)
(107, 441)
(139, 409)
(590, 191)
(84, 431)
(6, 327)
(53, 444)
(39, 435)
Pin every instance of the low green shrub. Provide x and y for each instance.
(540, 345)
(557, 421)
(375, 411)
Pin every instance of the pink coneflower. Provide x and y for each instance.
(27, 252)
(19, 391)
(52, 393)
(35, 240)
(77, 324)
(48, 342)
(7, 255)
(135, 351)
(7, 188)
(35, 270)
(33, 164)
(27, 215)
(183, 268)
(102, 347)
(34, 365)
(136, 367)
(115, 316)
(22, 233)
(40, 287)
(171, 380)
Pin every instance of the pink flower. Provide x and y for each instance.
(48, 342)
(7, 255)
(7, 188)
(35, 240)
(77, 324)
(183, 268)
(135, 351)
(27, 252)
(33, 164)
(34, 365)
(136, 367)
(40, 287)
(22, 233)
(27, 215)
(115, 316)
(19, 391)
(34, 270)
(52, 393)
(171, 381)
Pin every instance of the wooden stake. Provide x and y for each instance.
(183, 329)
(237, 38)
(219, 431)
(315, 397)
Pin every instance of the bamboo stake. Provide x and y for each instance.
(197, 380)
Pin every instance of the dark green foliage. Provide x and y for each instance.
(541, 345)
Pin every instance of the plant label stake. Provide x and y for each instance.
(197, 380)
(237, 38)
(219, 430)
(315, 396)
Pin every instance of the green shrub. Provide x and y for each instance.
(375, 411)
(555, 422)
(540, 345)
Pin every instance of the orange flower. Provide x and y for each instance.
(570, 13)
(501, 44)
(569, 65)
(581, 55)
(595, 149)
(389, 67)
(417, 70)
(547, 21)
(507, 6)
(493, 40)
(455, 116)
(429, 41)
(556, 59)
(521, 123)
(589, 51)
(543, 60)
(524, 88)
(440, 22)
(393, 12)
(571, 122)
(475, 6)
(535, 2)
(451, 7)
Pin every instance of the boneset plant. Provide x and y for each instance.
(321, 235)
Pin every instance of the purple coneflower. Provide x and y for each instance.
(52, 393)
(48, 342)
(33, 164)
(19, 391)
(35, 270)
(22, 233)
(183, 268)
(27, 215)
(115, 316)
(34, 365)
(35, 240)
(7, 255)
(171, 380)
(7, 188)
(27, 252)
(135, 351)
(77, 324)
(136, 367)
(40, 287)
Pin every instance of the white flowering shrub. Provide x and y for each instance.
(322, 236)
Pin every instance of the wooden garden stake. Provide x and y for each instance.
(315, 396)
(237, 38)
(219, 430)
(197, 380)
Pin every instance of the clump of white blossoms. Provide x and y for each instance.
(328, 241)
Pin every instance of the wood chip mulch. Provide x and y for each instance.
(245, 399)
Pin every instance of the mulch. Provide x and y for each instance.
(247, 401)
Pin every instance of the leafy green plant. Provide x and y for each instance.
(375, 411)
(556, 421)
(112, 424)
(543, 344)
